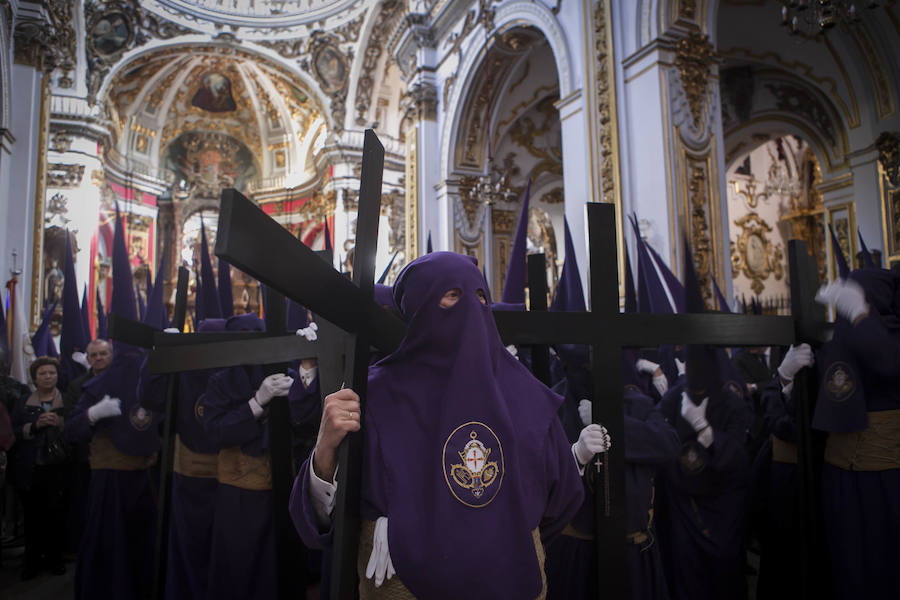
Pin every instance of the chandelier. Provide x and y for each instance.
(812, 17)
(495, 185)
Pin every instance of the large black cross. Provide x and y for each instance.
(249, 239)
(607, 332)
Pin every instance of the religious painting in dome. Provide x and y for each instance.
(110, 33)
(331, 68)
(207, 163)
(214, 93)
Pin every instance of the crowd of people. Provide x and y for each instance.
(478, 480)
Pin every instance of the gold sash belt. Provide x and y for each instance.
(783, 452)
(194, 464)
(393, 588)
(105, 455)
(876, 448)
(243, 471)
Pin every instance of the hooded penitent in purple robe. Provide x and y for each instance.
(650, 442)
(242, 563)
(116, 555)
(704, 491)
(861, 475)
(464, 453)
(193, 481)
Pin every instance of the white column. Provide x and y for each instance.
(576, 173)
(18, 183)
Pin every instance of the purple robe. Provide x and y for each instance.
(464, 452)
(861, 508)
(115, 559)
(702, 501)
(650, 442)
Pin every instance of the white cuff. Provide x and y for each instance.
(787, 389)
(321, 493)
(307, 375)
(255, 408)
(577, 464)
(705, 437)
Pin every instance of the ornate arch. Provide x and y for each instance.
(514, 14)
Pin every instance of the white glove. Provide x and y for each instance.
(380, 565)
(513, 350)
(171, 330)
(309, 332)
(659, 379)
(593, 439)
(274, 385)
(696, 416)
(796, 358)
(679, 364)
(586, 412)
(645, 366)
(847, 296)
(107, 407)
(81, 359)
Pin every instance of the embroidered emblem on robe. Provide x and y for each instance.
(140, 418)
(198, 408)
(839, 381)
(692, 458)
(473, 464)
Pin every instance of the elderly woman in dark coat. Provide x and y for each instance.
(39, 469)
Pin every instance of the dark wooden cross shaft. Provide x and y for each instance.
(607, 332)
(250, 240)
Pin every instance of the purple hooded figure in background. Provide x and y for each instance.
(464, 453)
(701, 512)
(859, 407)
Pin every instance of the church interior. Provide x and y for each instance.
(731, 126)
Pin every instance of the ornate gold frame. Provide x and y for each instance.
(890, 219)
(830, 212)
(40, 190)
(754, 227)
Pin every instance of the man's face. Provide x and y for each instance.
(99, 356)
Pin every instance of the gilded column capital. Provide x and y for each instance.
(888, 145)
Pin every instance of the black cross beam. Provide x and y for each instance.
(253, 242)
(537, 301)
(608, 332)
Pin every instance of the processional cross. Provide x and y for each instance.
(253, 242)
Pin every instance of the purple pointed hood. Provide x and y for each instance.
(652, 296)
(676, 290)
(428, 247)
(226, 297)
(85, 314)
(514, 284)
(720, 297)
(569, 293)
(702, 365)
(101, 318)
(42, 340)
(840, 259)
(4, 341)
(631, 304)
(71, 338)
(157, 316)
(419, 406)
(867, 262)
(123, 303)
(207, 297)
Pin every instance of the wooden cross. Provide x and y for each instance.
(607, 332)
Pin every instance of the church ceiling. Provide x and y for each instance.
(160, 97)
(259, 19)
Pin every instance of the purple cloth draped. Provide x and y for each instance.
(115, 560)
(702, 499)
(190, 537)
(242, 563)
